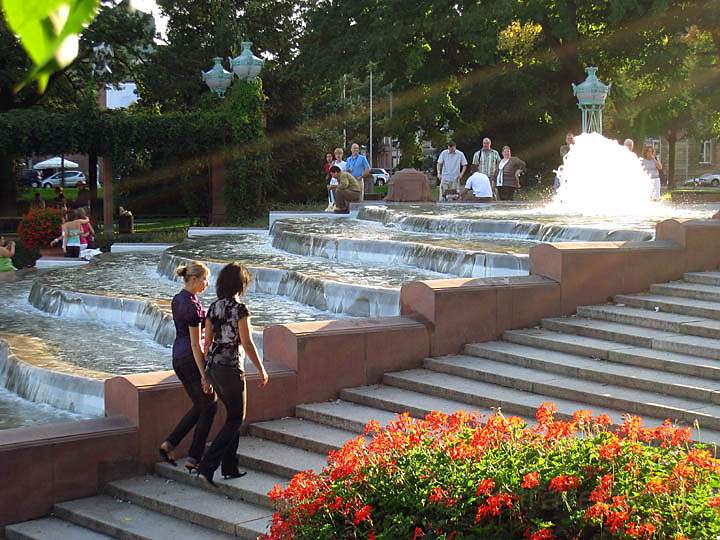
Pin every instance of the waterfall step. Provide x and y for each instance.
(252, 488)
(194, 505)
(343, 415)
(601, 371)
(276, 458)
(704, 278)
(671, 304)
(669, 322)
(120, 519)
(635, 335)
(304, 434)
(683, 289)
(50, 529)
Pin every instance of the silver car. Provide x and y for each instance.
(708, 179)
(380, 176)
(72, 178)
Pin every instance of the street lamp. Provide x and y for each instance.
(246, 66)
(591, 95)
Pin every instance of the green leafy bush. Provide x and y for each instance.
(452, 477)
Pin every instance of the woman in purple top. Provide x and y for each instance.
(189, 365)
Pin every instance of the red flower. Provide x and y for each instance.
(485, 487)
(530, 480)
(418, 533)
(362, 514)
(563, 483)
(714, 502)
(542, 534)
(610, 450)
(544, 413)
(493, 506)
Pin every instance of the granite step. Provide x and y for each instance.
(51, 529)
(252, 488)
(683, 289)
(602, 371)
(658, 320)
(636, 335)
(276, 458)
(704, 278)
(630, 400)
(194, 505)
(671, 304)
(616, 352)
(304, 434)
(120, 519)
(343, 414)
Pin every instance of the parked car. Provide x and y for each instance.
(380, 176)
(30, 178)
(71, 179)
(708, 179)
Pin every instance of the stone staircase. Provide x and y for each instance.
(656, 355)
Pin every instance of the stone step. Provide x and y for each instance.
(659, 320)
(630, 400)
(473, 393)
(278, 459)
(252, 488)
(635, 335)
(120, 519)
(343, 414)
(51, 529)
(704, 278)
(616, 352)
(652, 380)
(194, 505)
(399, 400)
(683, 289)
(304, 434)
(671, 304)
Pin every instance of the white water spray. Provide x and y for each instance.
(601, 176)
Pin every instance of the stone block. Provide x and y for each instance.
(409, 185)
(700, 238)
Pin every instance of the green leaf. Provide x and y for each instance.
(48, 31)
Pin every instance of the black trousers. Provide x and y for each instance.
(202, 413)
(229, 383)
(506, 193)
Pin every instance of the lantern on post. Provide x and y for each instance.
(591, 95)
(217, 78)
(246, 65)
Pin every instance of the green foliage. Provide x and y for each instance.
(48, 30)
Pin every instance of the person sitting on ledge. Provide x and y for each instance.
(347, 189)
(7, 252)
(477, 189)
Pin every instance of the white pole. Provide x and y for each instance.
(344, 112)
(371, 118)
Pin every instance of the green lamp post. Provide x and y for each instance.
(591, 95)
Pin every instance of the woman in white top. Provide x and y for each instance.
(339, 159)
(653, 167)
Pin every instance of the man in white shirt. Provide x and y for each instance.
(451, 167)
(477, 189)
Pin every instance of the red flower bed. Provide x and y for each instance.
(460, 477)
(39, 227)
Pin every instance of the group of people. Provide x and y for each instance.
(77, 234)
(493, 176)
(212, 366)
(347, 180)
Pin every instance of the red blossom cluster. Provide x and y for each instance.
(463, 476)
(39, 227)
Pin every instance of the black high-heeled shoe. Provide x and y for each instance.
(237, 473)
(165, 456)
(191, 466)
(206, 477)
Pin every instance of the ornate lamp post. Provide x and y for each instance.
(217, 78)
(246, 66)
(591, 95)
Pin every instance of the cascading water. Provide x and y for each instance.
(599, 176)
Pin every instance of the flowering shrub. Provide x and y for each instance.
(39, 227)
(460, 476)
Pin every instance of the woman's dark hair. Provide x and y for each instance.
(233, 279)
(335, 168)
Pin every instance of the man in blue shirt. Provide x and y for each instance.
(358, 166)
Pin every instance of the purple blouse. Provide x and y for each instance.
(187, 311)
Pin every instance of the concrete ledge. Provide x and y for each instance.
(274, 216)
(460, 311)
(42, 465)
(151, 248)
(59, 262)
(197, 232)
(331, 355)
(700, 238)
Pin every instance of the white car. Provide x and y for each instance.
(708, 179)
(72, 178)
(380, 176)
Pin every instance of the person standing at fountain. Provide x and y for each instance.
(347, 189)
(359, 167)
(451, 167)
(339, 159)
(508, 177)
(189, 364)
(653, 167)
(326, 169)
(629, 144)
(72, 231)
(486, 159)
(227, 329)
(564, 150)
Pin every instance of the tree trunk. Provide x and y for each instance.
(8, 188)
(670, 163)
(93, 180)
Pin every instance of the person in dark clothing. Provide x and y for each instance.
(189, 365)
(227, 329)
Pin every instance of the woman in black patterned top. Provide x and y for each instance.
(227, 329)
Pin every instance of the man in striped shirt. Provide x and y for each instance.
(486, 160)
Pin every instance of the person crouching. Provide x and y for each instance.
(346, 191)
